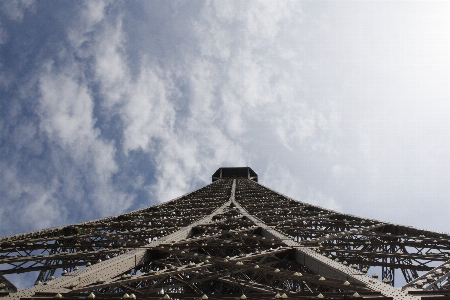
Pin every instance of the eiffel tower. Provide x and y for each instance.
(232, 239)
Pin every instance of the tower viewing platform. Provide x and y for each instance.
(238, 172)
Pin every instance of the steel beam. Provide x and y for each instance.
(193, 244)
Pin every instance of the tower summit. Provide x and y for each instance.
(231, 239)
(239, 172)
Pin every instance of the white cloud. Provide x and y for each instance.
(236, 88)
(279, 177)
(148, 106)
(15, 10)
(315, 197)
(190, 157)
(44, 204)
(10, 182)
(148, 114)
(3, 35)
(27, 202)
(251, 41)
(340, 170)
(99, 36)
(94, 12)
(332, 100)
(66, 112)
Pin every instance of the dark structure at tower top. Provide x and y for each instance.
(239, 172)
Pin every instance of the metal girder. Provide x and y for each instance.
(346, 234)
(6, 286)
(431, 280)
(231, 237)
(325, 266)
(112, 267)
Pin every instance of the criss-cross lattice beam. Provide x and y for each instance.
(231, 237)
(361, 243)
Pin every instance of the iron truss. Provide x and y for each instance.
(232, 239)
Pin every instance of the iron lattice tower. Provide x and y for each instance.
(232, 239)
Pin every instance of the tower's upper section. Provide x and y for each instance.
(241, 172)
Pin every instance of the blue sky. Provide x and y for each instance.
(109, 106)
